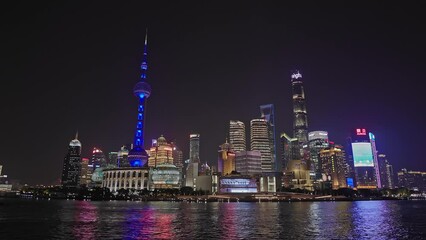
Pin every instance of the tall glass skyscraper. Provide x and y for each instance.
(194, 160)
(237, 135)
(267, 112)
(363, 154)
(72, 164)
(259, 141)
(300, 124)
(194, 148)
(138, 157)
(318, 140)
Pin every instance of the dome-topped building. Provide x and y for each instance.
(160, 153)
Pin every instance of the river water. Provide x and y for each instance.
(68, 219)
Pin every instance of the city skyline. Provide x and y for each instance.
(83, 84)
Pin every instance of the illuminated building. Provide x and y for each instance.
(333, 166)
(122, 157)
(160, 153)
(300, 124)
(112, 159)
(194, 161)
(413, 180)
(289, 150)
(267, 112)
(194, 148)
(137, 156)
(237, 184)
(126, 178)
(164, 176)
(259, 141)
(268, 182)
(205, 169)
(363, 153)
(237, 135)
(226, 159)
(318, 140)
(248, 163)
(72, 164)
(98, 159)
(296, 162)
(177, 155)
(386, 172)
(5, 186)
(86, 172)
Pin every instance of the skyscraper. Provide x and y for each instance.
(97, 160)
(194, 148)
(237, 135)
(267, 112)
(112, 159)
(259, 141)
(194, 160)
(364, 156)
(386, 172)
(122, 157)
(72, 164)
(86, 172)
(318, 140)
(177, 156)
(248, 163)
(161, 153)
(138, 157)
(333, 165)
(289, 150)
(300, 124)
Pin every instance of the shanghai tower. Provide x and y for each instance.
(300, 124)
(138, 157)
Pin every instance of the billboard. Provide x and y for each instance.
(363, 154)
(238, 185)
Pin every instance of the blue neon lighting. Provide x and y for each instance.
(136, 163)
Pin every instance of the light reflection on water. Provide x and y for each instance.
(23, 219)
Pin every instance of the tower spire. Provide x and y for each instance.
(76, 135)
(144, 65)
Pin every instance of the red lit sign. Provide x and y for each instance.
(361, 131)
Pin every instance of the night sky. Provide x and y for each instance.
(68, 66)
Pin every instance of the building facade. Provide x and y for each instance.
(318, 140)
(364, 157)
(259, 141)
(300, 123)
(333, 166)
(386, 172)
(72, 164)
(248, 163)
(237, 135)
(226, 159)
(160, 153)
(126, 178)
(267, 112)
(413, 180)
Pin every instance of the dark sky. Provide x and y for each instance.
(68, 66)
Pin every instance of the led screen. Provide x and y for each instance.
(363, 154)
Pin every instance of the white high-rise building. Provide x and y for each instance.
(259, 141)
(237, 135)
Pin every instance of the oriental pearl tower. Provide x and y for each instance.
(138, 157)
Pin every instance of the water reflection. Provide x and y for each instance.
(180, 220)
(148, 222)
(85, 220)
